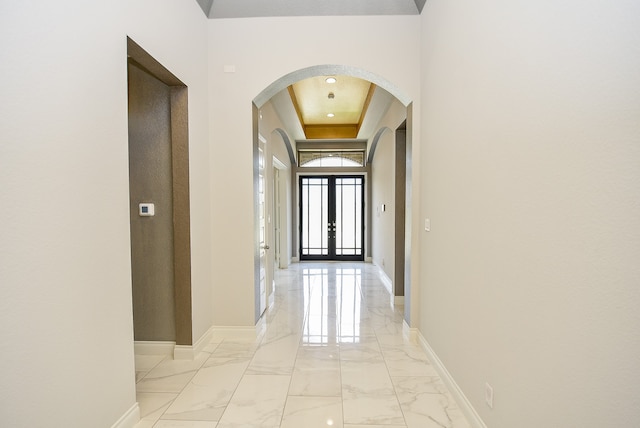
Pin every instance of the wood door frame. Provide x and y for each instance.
(180, 188)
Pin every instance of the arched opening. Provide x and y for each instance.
(277, 90)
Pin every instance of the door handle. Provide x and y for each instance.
(265, 247)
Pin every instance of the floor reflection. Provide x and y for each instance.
(333, 300)
(332, 352)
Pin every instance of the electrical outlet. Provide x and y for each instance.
(488, 395)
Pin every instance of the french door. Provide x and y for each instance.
(332, 218)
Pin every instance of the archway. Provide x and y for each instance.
(329, 70)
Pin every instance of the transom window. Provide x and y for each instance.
(331, 159)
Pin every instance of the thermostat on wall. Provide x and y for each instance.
(146, 209)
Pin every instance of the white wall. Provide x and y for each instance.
(65, 318)
(262, 51)
(531, 178)
(383, 190)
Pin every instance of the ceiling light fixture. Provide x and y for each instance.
(330, 115)
(330, 80)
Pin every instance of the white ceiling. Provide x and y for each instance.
(263, 8)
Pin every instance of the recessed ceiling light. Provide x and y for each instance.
(330, 115)
(330, 80)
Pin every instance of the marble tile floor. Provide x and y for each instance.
(332, 355)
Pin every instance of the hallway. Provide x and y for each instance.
(332, 354)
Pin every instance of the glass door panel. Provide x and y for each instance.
(314, 195)
(349, 216)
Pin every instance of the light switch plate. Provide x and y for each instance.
(427, 225)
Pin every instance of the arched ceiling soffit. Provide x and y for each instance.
(374, 143)
(328, 70)
(287, 144)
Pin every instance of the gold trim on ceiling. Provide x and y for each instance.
(347, 100)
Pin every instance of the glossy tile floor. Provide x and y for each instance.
(332, 355)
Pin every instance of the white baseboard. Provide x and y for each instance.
(388, 284)
(178, 352)
(411, 334)
(129, 419)
(153, 348)
(386, 281)
(239, 332)
(465, 405)
(271, 300)
(189, 352)
(184, 352)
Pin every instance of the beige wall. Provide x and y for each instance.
(531, 177)
(65, 323)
